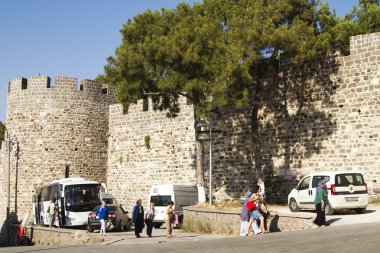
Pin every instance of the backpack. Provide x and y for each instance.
(251, 206)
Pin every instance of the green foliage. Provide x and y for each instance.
(147, 141)
(2, 131)
(213, 51)
(363, 19)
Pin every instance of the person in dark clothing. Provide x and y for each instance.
(320, 203)
(138, 217)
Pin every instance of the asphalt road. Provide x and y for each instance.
(344, 238)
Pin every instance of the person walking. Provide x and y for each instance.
(138, 217)
(102, 213)
(170, 215)
(149, 217)
(320, 203)
(245, 214)
(51, 211)
(255, 213)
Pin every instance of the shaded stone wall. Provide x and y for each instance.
(61, 127)
(133, 167)
(317, 116)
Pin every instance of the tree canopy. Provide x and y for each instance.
(214, 52)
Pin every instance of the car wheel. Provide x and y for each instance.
(329, 210)
(293, 206)
(120, 228)
(360, 210)
(157, 225)
(89, 229)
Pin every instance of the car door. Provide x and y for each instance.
(314, 184)
(305, 200)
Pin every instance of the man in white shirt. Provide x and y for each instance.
(51, 211)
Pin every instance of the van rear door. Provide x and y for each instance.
(350, 186)
(160, 204)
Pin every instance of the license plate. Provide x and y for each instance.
(352, 199)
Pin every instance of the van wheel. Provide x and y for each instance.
(329, 210)
(360, 210)
(293, 205)
(157, 225)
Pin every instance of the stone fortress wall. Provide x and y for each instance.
(323, 115)
(61, 130)
(135, 164)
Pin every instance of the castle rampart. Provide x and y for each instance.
(146, 148)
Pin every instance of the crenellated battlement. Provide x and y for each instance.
(365, 43)
(145, 106)
(61, 84)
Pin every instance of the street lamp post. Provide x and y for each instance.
(204, 124)
(210, 162)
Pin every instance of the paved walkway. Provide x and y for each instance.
(159, 235)
(341, 217)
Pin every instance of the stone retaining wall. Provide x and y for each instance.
(60, 236)
(227, 222)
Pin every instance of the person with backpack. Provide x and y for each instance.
(102, 214)
(245, 214)
(253, 207)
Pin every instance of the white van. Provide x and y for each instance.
(181, 195)
(346, 190)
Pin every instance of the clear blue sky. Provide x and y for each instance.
(72, 37)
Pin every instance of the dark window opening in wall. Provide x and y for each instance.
(125, 109)
(145, 105)
(9, 87)
(67, 172)
(48, 82)
(189, 100)
(24, 83)
(105, 91)
(81, 87)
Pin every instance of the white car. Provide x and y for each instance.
(346, 190)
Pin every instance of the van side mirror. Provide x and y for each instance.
(297, 188)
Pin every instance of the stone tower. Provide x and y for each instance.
(61, 131)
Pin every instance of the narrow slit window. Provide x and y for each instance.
(145, 105)
(67, 172)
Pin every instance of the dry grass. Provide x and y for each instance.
(223, 205)
(231, 205)
(197, 226)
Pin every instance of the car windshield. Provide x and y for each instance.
(347, 179)
(160, 200)
(83, 197)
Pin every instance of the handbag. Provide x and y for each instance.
(251, 206)
(175, 219)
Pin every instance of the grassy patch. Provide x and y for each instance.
(223, 205)
(197, 226)
(374, 200)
